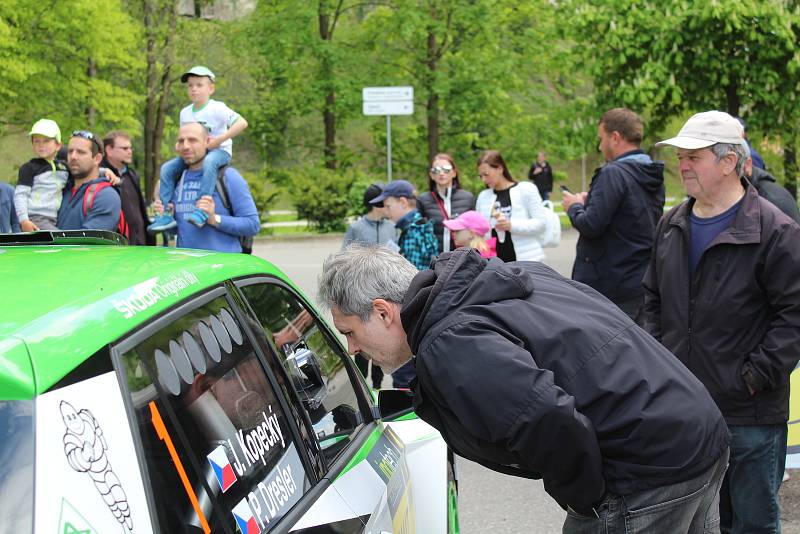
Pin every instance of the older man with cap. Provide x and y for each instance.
(723, 294)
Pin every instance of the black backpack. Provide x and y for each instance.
(222, 191)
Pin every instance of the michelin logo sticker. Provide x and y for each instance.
(85, 448)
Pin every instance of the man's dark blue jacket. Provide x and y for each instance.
(616, 225)
(534, 375)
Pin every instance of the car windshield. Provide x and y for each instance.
(16, 466)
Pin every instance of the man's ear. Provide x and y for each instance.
(386, 311)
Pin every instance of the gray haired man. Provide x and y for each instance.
(518, 381)
(723, 295)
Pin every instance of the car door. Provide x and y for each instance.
(364, 460)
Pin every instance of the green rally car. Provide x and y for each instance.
(150, 389)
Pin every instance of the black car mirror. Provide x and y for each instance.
(393, 403)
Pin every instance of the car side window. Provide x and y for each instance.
(314, 362)
(218, 446)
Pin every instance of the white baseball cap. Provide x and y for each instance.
(706, 129)
(46, 128)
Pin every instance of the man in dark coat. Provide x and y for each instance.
(118, 158)
(723, 295)
(768, 188)
(541, 174)
(534, 375)
(618, 215)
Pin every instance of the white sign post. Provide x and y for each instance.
(388, 101)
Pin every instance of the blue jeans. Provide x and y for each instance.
(689, 507)
(171, 172)
(748, 501)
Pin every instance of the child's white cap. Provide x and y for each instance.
(198, 70)
(47, 128)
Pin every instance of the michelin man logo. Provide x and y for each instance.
(85, 448)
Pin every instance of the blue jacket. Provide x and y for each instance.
(8, 214)
(104, 214)
(223, 238)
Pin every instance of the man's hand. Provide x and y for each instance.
(568, 199)
(158, 207)
(206, 203)
(28, 226)
(537, 170)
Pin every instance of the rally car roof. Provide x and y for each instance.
(63, 303)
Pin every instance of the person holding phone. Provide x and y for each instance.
(617, 217)
(514, 209)
(445, 200)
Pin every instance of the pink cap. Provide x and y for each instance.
(469, 220)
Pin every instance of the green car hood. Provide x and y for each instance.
(63, 303)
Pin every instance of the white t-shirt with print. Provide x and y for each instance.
(215, 116)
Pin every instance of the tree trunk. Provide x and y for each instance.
(159, 85)
(433, 97)
(91, 112)
(790, 165)
(733, 102)
(326, 72)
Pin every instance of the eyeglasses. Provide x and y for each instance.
(90, 136)
(441, 169)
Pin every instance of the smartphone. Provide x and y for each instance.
(565, 188)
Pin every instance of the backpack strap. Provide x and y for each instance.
(222, 188)
(91, 193)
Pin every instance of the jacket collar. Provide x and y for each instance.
(408, 219)
(746, 226)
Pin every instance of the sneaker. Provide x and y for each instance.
(785, 476)
(198, 217)
(162, 222)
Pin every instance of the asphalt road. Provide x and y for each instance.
(488, 501)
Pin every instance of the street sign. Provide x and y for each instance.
(387, 94)
(388, 107)
(388, 101)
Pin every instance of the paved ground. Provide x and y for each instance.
(488, 501)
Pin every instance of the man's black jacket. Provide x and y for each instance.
(616, 225)
(737, 318)
(768, 188)
(133, 205)
(537, 376)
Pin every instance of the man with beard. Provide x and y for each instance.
(90, 204)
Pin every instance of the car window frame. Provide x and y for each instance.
(364, 399)
(141, 332)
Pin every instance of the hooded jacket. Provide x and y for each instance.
(616, 225)
(734, 322)
(517, 380)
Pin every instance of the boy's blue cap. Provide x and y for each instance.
(396, 188)
(198, 70)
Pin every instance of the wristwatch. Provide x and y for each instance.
(217, 219)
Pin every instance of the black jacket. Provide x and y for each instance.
(544, 179)
(537, 376)
(133, 205)
(738, 318)
(768, 188)
(616, 225)
(460, 201)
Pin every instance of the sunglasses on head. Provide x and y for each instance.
(441, 169)
(90, 136)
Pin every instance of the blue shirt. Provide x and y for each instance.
(224, 237)
(103, 215)
(704, 231)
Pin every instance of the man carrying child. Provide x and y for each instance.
(222, 125)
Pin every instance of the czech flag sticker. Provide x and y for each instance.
(244, 518)
(218, 459)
